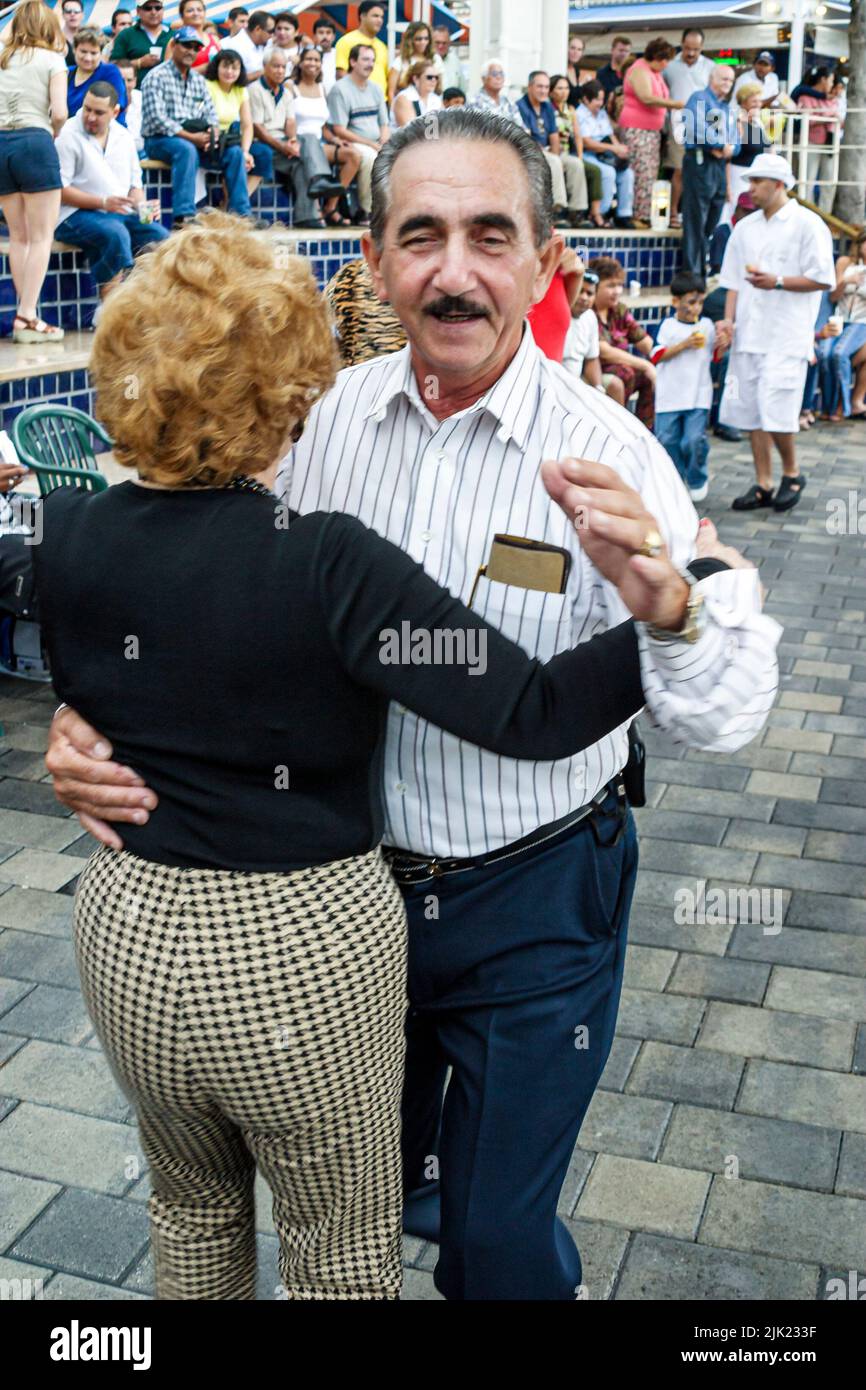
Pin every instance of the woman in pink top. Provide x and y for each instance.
(813, 95)
(647, 99)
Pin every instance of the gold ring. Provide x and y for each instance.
(652, 545)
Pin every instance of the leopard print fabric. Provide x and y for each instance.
(365, 327)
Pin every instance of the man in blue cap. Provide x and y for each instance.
(763, 72)
(179, 124)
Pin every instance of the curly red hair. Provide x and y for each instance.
(210, 353)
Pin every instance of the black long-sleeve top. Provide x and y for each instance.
(237, 664)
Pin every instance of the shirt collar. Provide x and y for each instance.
(510, 400)
(268, 88)
(784, 212)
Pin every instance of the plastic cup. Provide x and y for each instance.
(634, 288)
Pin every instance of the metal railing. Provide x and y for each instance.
(807, 159)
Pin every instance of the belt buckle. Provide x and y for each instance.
(417, 871)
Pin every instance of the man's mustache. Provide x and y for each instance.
(456, 304)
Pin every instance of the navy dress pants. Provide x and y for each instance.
(704, 193)
(514, 982)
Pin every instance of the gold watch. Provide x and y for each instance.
(695, 621)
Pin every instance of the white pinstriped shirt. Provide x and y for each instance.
(440, 490)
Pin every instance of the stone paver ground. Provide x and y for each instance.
(724, 1156)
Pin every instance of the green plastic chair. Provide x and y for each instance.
(56, 442)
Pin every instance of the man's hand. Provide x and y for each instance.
(201, 138)
(724, 334)
(148, 60)
(620, 150)
(11, 474)
(115, 203)
(762, 280)
(85, 779)
(570, 262)
(612, 523)
(644, 365)
(292, 149)
(249, 161)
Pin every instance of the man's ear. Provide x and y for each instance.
(548, 261)
(373, 257)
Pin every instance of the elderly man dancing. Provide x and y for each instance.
(517, 875)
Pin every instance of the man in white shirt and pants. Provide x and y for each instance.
(102, 191)
(689, 72)
(776, 264)
(517, 875)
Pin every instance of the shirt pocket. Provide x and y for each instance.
(538, 622)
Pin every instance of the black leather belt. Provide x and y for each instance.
(417, 868)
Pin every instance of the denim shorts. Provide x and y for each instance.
(28, 162)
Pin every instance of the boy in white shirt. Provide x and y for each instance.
(685, 348)
(581, 354)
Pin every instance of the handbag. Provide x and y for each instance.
(212, 157)
(609, 157)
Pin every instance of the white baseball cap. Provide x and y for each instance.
(771, 166)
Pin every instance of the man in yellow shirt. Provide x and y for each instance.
(371, 17)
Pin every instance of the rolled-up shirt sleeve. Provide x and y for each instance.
(714, 693)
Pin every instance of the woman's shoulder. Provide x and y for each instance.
(64, 505)
(45, 59)
(342, 540)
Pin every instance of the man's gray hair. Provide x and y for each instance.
(492, 63)
(465, 123)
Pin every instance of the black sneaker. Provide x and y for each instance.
(728, 432)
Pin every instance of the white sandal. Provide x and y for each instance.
(35, 331)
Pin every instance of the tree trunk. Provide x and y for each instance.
(851, 202)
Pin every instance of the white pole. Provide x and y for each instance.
(392, 31)
(554, 35)
(478, 32)
(798, 44)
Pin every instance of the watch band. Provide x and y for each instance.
(695, 621)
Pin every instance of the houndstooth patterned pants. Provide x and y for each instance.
(256, 1020)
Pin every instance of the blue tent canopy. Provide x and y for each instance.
(659, 13)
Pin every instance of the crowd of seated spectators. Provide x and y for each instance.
(259, 100)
